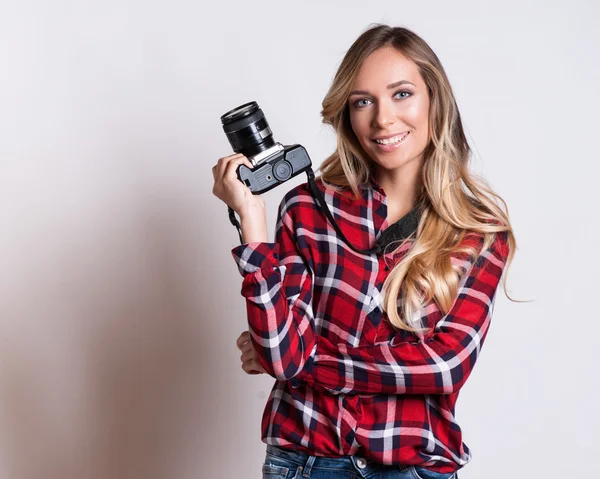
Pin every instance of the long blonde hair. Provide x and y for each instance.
(455, 201)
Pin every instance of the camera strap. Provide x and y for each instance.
(396, 232)
(235, 222)
(316, 192)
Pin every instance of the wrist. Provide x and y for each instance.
(253, 223)
(252, 233)
(253, 211)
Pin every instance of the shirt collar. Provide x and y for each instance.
(404, 227)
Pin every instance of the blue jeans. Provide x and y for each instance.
(283, 463)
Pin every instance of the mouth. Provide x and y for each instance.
(388, 145)
(391, 140)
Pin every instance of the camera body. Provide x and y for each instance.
(249, 133)
(284, 163)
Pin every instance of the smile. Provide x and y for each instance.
(394, 139)
(391, 143)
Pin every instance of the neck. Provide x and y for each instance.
(401, 186)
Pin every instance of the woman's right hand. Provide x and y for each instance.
(249, 358)
(229, 189)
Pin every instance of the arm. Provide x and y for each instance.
(440, 365)
(277, 286)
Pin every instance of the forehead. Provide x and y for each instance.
(384, 66)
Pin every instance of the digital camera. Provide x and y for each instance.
(249, 133)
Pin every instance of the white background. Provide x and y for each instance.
(119, 299)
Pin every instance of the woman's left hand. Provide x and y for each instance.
(249, 358)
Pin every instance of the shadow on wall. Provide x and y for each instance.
(109, 355)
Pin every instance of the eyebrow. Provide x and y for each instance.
(393, 85)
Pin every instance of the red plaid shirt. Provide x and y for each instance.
(347, 382)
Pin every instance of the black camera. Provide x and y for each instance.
(249, 134)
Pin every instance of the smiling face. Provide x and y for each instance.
(391, 105)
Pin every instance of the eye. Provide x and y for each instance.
(403, 91)
(357, 103)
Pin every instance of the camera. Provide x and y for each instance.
(249, 133)
(273, 163)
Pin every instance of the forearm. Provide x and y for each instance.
(277, 286)
(438, 364)
(281, 326)
(253, 223)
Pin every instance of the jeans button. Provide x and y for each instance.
(361, 462)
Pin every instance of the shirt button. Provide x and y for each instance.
(361, 462)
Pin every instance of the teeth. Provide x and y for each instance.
(391, 141)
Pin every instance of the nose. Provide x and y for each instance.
(384, 116)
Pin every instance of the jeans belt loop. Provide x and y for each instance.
(308, 466)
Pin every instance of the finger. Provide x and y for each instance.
(249, 366)
(231, 171)
(257, 366)
(214, 172)
(243, 339)
(253, 366)
(223, 160)
(221, 165)
(254, 371)
(248, 354)
(248, 347)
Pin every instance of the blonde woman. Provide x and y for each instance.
(370, 351)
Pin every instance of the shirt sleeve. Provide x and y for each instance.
(278, 289)
(438, 365)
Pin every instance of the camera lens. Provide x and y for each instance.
(282, 170)
(247, 129)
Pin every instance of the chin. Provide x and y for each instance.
(392, 156)
(391, 162)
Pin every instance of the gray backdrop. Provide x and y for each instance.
(119, 299)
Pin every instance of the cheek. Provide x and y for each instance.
(416, 114)
(355, 124)
(418, 117)
(359, 127)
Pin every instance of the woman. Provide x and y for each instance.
(370, 351)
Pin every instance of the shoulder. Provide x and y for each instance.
(300, 198)
(296, 199)
(490, 253)
(297, 208)
(477, 249)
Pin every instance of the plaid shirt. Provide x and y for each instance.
(347, 382)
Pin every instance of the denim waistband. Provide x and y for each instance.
(356, 463)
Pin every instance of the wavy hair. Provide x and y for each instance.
(454, 201)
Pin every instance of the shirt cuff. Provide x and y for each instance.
(305, 376)
(251, 257)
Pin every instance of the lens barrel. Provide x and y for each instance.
(247, 129)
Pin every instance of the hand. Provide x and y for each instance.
(249, 358)
(229, 189)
